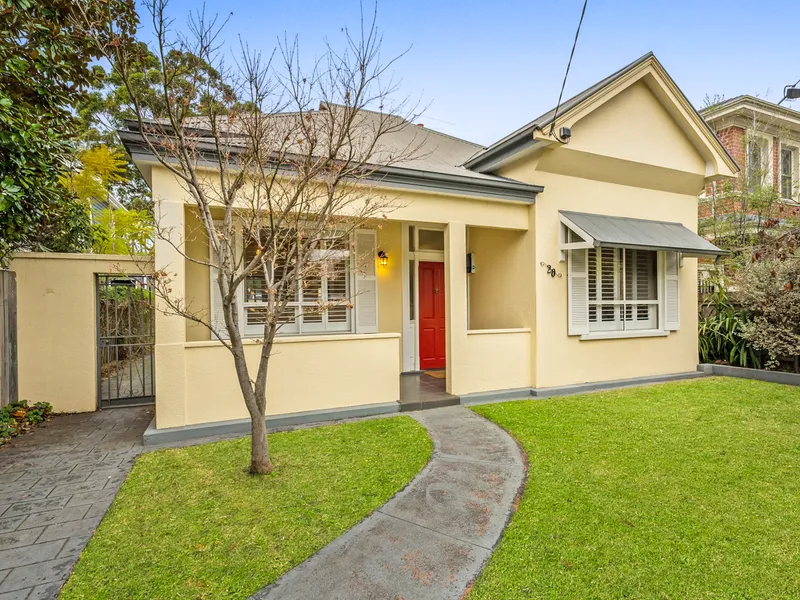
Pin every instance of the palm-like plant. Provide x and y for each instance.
(721, 328)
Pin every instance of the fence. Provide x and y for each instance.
(8, 337)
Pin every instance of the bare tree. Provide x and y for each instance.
(280, 163)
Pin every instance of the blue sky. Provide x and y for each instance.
(486, 68)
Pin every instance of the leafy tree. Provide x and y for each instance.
(743, 213)
(103, 111)
(46, 51)
(124, 232)
(114, 231)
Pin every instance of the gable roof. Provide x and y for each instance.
(523, 138)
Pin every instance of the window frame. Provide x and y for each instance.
(299, 327)
(619, 271)
(765, 154)
(792, 175)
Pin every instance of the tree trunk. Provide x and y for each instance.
(260, 464)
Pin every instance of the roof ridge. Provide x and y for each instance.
(447, 135)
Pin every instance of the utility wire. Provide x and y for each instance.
(569, 64)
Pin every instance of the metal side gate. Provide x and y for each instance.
(125, 340)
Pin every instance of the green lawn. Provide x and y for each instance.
(191, 523)
(682, 490)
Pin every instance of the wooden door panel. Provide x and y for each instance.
(432, 334)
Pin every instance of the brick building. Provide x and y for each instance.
(764, 140)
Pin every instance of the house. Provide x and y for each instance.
(764, 140)
(582, 267)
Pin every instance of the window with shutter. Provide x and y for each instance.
(613, 290)
(319, 304)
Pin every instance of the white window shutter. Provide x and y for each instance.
(366, 288)
(217, 315)
(578, 292)
(672, 300)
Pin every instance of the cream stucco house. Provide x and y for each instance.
(526, 268)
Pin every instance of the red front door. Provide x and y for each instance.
(431, 316)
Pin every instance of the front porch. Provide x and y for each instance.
(421, 391)
(415, 307)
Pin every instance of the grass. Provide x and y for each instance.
(683, 490)
(191, 523)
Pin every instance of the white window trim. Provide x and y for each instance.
(619, 313)
(298, 328)
(614, 335)
(663, 330)
(770, 166)
(794, 150)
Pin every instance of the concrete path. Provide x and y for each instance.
(432, 539)
(56, 483)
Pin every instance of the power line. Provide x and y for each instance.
(569, 64)
(784, 91)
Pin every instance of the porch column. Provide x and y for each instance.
(170, 329)
(455, 263)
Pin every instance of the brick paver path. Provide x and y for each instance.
(56, 483)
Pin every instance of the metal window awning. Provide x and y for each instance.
(638, 234)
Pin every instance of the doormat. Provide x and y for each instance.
(437, 374)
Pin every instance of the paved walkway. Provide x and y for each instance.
(56, 483)
(432, 539)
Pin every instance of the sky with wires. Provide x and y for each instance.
(487, 68)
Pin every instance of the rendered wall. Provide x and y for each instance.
(663, 186)
(306, 373)
(497, 287)
(57, 325)
(495, 360)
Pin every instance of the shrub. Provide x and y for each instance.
(721, 332)
(770, 290)
(17, 417)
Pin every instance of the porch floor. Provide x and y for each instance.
(419, 391)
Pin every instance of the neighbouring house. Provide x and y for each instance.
(524, 268)
(764, 140)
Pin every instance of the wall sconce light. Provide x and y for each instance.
(384, 258)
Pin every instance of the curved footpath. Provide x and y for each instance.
(432, 539)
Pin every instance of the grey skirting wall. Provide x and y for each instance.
(758, 374)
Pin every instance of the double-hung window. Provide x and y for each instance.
(759, 170)
(787, 173)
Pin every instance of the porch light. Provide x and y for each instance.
(384, 258)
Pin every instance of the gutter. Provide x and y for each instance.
(397, 177)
